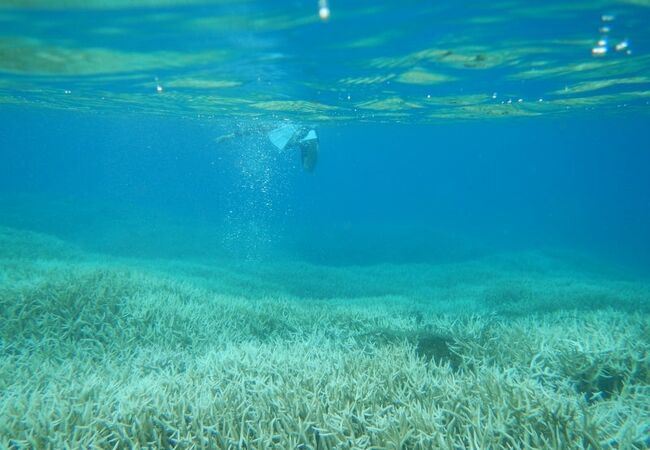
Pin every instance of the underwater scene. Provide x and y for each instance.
(324, 224)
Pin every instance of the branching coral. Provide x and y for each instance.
(118, 354)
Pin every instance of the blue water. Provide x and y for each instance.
(444, 127)
(394, 192)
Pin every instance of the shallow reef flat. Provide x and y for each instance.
(506, 351)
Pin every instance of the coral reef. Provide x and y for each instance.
(106, 353)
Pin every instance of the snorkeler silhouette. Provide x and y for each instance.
(300, 138)
(290, 137)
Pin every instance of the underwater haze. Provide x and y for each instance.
(318, 225)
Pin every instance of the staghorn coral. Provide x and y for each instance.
(99, 353)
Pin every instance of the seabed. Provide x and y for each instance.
(497, 352)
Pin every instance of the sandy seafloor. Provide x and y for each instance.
(512, 350)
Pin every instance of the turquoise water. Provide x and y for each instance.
(231, 224)
(492, 126)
